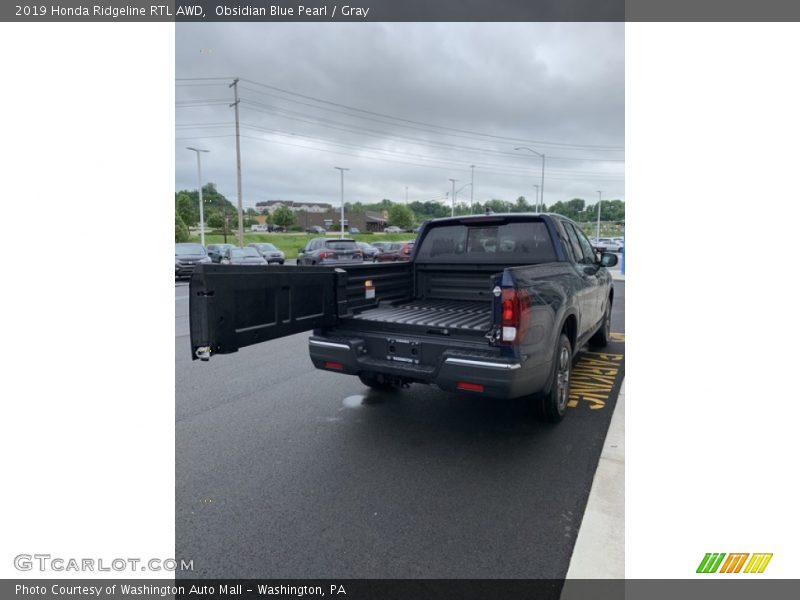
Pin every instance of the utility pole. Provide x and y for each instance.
(341, 219)
(537, 196)
(472, 185)
(238, 160)
(599, 206)
(200, 187)
(453, 198)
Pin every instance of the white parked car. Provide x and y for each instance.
(606, 245)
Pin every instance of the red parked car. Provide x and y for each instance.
(396, 251)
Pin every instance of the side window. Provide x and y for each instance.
(589, 254)
(562, 233)
(577, 251)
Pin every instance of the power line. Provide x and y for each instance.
(361, 130)
(452, 162)
(341, 112)
(426, 166)
(498, 168)
(476, 133)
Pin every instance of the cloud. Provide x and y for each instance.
(402, 104)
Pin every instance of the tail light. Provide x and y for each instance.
(469, 387)
(358, 255)
(512, 303)
(326, 254)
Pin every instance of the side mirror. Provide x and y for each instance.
(608, 260)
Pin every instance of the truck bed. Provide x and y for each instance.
(467, 315)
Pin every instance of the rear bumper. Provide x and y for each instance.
(499, 377)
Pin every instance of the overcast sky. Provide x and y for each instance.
(403, 105)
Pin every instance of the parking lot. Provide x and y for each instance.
(289, 472)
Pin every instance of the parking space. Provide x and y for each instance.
(286, 471)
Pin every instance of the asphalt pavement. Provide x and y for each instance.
(285, 471)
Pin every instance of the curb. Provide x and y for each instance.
(599, 551)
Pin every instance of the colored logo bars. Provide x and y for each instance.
(734, 563)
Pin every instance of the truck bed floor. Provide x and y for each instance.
(455, 314)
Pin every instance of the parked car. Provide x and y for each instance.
(241, 256)
(270, 253)
(381, 246)
(354, 230)
(493, 306)
(316, 229)
(186, 257)
(393, 229)
(271, 227)
(606, 245)
(396, 251)
(325, 251)
(215, 251)
(263, 228)
(370, 252)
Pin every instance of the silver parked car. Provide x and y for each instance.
(327, 251)
(270, 253)
(187, 256)
(241, 256)
(606, 245)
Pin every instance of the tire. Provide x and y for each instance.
(603, 335)
(552, 405)
(376, 382)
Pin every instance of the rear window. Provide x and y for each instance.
(340, 245)
(527, 242)
(189, 249)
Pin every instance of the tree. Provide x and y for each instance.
(181, 231)
(213, 201)
(283, 216)
(498, 206)
(401, 216)
(571, 209)
(187, 209)
(521, 205)
(216, 220)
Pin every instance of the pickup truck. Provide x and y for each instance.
(494, 305)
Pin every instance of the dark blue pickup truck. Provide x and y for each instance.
(493, 305)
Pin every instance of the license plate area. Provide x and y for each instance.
(403, 350)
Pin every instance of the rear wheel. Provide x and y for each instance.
(552, 405)
(601, 338)
(376, 382)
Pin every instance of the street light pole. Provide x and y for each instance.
(599, 207)
(453, 198)
(472, 185)
(341, 219)
(537, 196)
(200, 189)
(542, 157)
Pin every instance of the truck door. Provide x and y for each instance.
(584, 262)
(231, 307)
